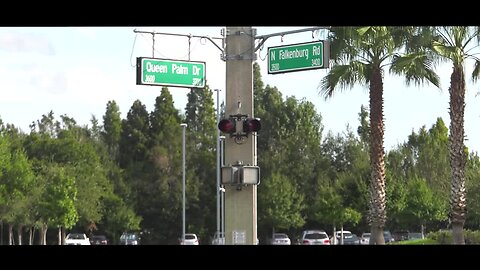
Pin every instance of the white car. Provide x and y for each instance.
(77, 239)
(280, 239)
(365, 239)
(190, 239)
(314, 237)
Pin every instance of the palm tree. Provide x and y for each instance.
(456, 44)
(359, 55)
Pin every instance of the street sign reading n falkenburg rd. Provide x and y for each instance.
(177, 73)
(298, 57)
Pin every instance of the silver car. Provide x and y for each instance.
(280, 239)
(314, 237)
(190, 239)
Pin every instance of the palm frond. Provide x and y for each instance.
(364, 30)
(416, 67)
(343, 77)
(476, 71)
(443, 50)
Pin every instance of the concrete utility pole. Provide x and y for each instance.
(240, 204)
(240, 209)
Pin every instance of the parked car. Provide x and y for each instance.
(77, 239)
(190, 239)
(400, 235)
(218, 239)
(129, 239)
(280, 239)
(314, 237)
(349, 238)
(336, 238)
(415, 236)
(387, 236)
(98, 240)
(365, 238)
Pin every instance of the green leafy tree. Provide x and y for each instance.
(360, 55)
(472, 184)
(17, 181)
(56, 206)
(422, 205)
(332, 209)
(200, 117)
(424, 156)
(133, 147)
(279, 204)
(119, 217)
(163, 187)
(112, 128)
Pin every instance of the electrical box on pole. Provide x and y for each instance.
(240, 175)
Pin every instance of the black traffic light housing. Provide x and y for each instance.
(251, 125)
(248, 125)
(227, 125)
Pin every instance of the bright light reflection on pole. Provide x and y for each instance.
(184, 126)
(222, 194)
(218, 165)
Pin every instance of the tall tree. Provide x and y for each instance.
(163, 187)
(134, 143)
(456, 44)
(201, 118)
(360, 55)
(112, 128)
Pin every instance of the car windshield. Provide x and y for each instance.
(345, 235)
(315, 236)
(280, 235)
(76, 236)
(128, 237)
(189, 236)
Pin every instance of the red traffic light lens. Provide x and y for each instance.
(227, 125)
(251, 125)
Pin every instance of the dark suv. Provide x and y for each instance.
(129, 239)
(98, 240)
(388, 237)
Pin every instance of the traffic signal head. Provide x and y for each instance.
(227, 125)
(251, 125)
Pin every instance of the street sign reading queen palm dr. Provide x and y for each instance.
(298, 57)
(176, 73)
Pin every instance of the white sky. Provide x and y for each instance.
(76, 71)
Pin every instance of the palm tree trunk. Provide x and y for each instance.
(377, 205)
(458, 206)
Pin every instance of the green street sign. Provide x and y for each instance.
(177, 73)
(297, 57)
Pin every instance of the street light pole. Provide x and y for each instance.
(184, 126)
(222, 193)
(218, 164)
